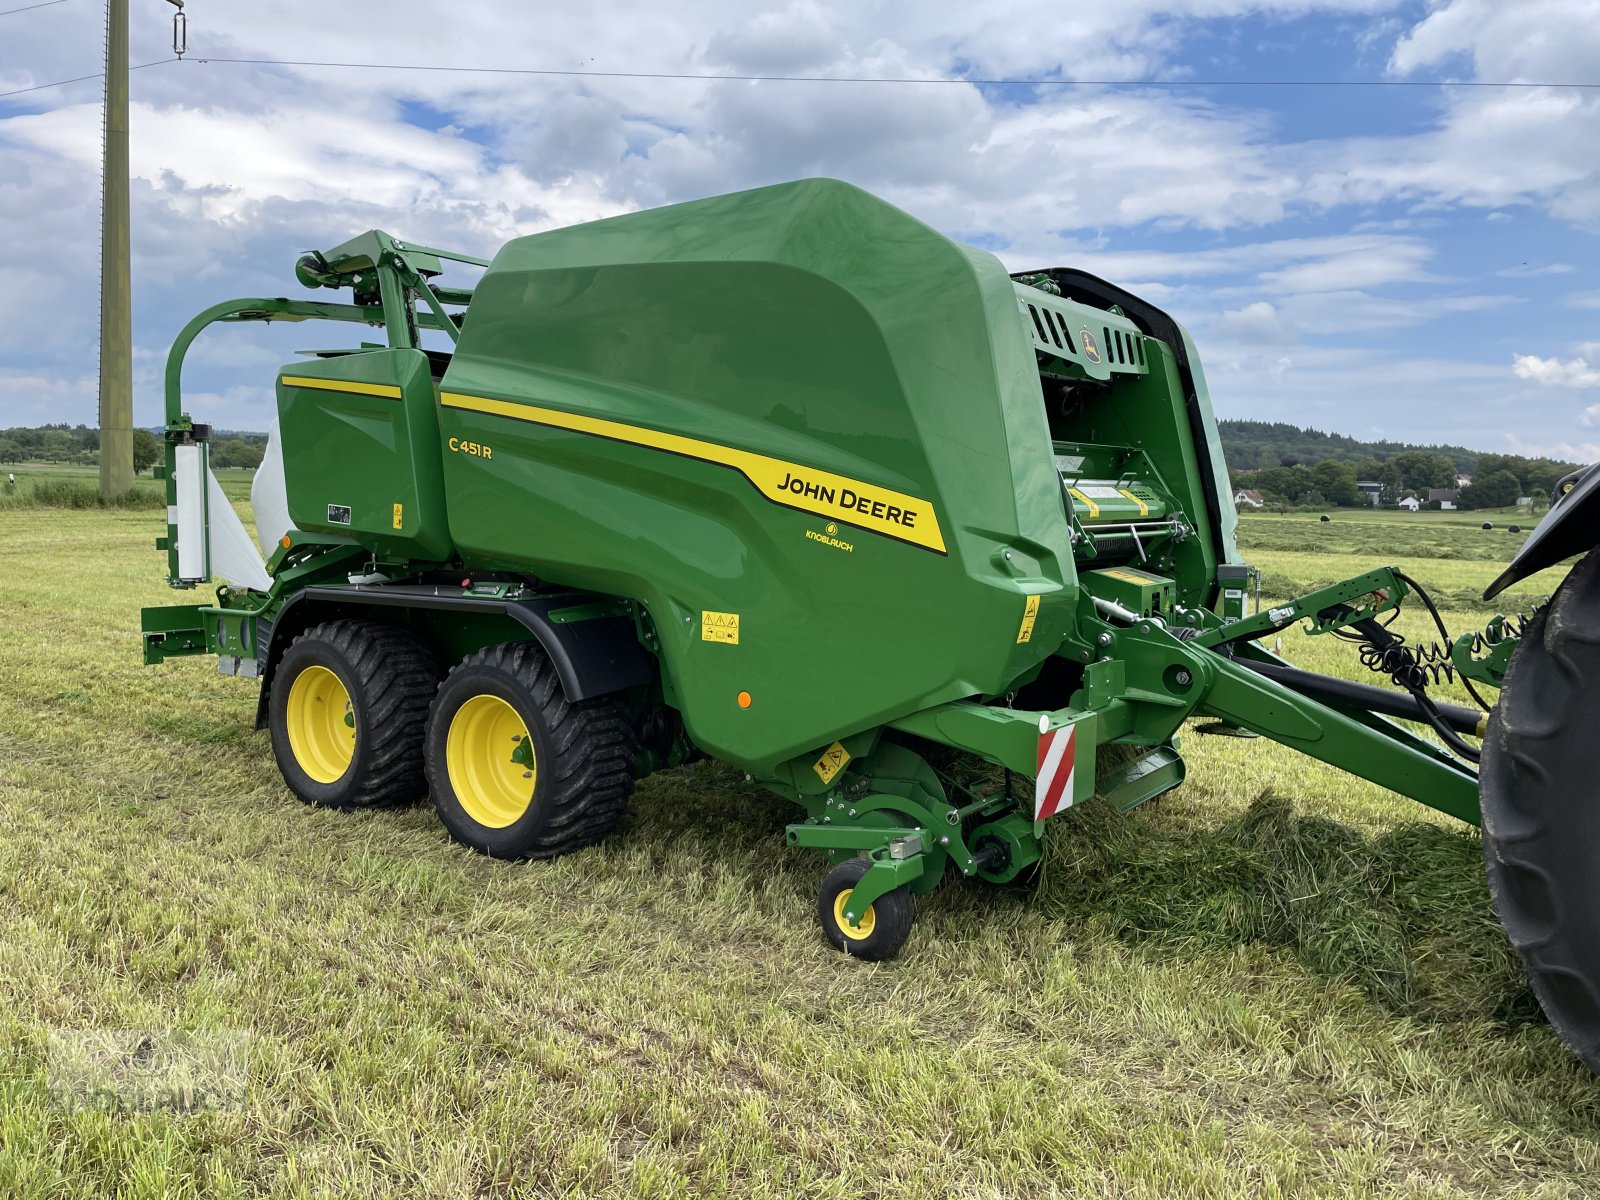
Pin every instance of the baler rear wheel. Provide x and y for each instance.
(881, 931)
(516, 770)
(1541, 817)
(348, 705)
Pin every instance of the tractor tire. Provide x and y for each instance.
(348, 707)
(884, 927)
(517, 771)
(1541, 820)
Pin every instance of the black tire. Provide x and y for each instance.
(885, 928)
(1541, 819)
(581, 758)
(389, 676)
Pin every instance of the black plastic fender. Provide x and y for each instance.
(1571, 527)
(593, 657)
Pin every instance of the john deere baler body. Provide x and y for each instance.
(786, 478)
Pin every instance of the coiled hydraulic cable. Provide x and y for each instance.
(1432, 663)
(1416, 667)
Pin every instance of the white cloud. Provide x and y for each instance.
(1362, 312)
(1501, 147)
(1528, 271)
(241, 167)
(1257, 323)
(1535, 41)
(1556, 372)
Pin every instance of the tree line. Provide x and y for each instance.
(1498, 480)
(79, 445)
(1259, 445)
(1288, 465)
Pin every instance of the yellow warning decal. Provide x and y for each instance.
(399, 515)
(1094, 509)
(387, 390)
(831, 763)
(838, 497)
(719, 627)
(1030, 610)
(1144, 509)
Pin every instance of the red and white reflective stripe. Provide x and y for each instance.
(1052, 790)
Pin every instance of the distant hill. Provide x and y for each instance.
(1252, 445)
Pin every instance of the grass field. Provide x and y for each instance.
(62, 485)
(1277, 981)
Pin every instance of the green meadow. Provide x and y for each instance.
(1277, 981)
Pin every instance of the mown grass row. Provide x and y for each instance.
(1278, 981)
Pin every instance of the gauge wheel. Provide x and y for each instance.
(880, 932)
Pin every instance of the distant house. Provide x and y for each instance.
(1248, 498)
(1445, 498)
(1371, 489)
(1410, 504)
(1463, 480)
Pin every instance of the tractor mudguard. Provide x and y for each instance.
(594, 656)
(1568, 529)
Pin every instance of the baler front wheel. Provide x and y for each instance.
(1541, 814)
(516, 770)
(880, 932)
(348, 704)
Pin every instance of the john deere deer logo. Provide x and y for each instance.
(1090, 350)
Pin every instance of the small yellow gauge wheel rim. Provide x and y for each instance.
(856, 933)
(321, 724)
(490, 758)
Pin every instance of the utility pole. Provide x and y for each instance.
(116, 270)
(116, 315)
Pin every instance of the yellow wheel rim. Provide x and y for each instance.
(489, 756)
(856, 933)
(321, 724)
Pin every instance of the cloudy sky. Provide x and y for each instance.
(1406, 262)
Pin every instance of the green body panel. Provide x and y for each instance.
(369, 457)
(820, 327)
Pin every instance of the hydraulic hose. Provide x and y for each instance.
(1375, 699)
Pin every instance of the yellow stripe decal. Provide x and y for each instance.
(1144, 509)
(1128, 576)
(1094, 509)
(387, 390)
(864, 505)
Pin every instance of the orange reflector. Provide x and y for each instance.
(744, 699)
(286, 541)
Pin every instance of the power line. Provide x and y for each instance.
(1152, 83)
(874, 79)
(39, 87)
(31, 7)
